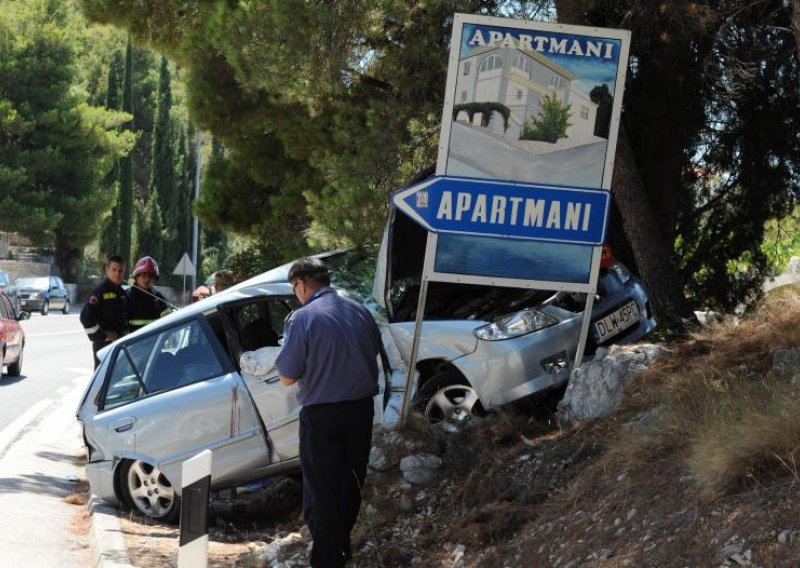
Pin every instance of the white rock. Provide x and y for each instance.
(420, 469)
(785, 536)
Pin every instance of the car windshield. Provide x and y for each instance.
(42, 282)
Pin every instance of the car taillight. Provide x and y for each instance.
(606, 257)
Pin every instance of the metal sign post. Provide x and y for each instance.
(186, 268)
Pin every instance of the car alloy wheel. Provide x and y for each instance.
(45, 308)
(148, 491)
(448, 402)
(65, 309)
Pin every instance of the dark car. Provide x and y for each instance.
(43, 293)
(10, 289)
(12, 337)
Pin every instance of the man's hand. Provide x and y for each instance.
(287, 381)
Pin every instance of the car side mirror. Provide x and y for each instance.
(23, 316)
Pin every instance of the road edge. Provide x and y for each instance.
(108, 544)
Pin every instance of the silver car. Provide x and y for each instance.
(174, 388)
(178, 386)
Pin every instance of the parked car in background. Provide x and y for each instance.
(12, 337)
(43, 293)
(10, 289)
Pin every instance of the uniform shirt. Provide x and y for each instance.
(144, 308)
(106, 310)
(330, 346)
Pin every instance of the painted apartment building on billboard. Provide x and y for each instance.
(520, 78)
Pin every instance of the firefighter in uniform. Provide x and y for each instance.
(105, 316)
(146, 304)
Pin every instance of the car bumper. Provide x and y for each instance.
(31, 304)
(101, 480)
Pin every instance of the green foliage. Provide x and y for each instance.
(551, 124)
(486, 108)
(150, 229)
(55, 148)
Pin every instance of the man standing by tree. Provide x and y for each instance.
(105, 315)
(330, 348)
(146, 304)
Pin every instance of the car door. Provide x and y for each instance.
(173, 393)
(260, 327)
(57, 294)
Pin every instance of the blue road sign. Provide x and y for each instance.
(448, 204)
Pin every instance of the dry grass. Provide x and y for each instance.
(722, 412)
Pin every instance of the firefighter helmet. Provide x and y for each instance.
(144, 265)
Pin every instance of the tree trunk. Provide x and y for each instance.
(796, 23)
(653, 256)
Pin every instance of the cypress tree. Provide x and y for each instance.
(126, 166)
(163, 176)
(111, 233)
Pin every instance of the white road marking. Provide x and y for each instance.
(54, 333)
(10, 432)
(61, 422)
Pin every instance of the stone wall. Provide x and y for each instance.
(17, 268)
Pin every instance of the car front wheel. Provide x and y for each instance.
(45, 308)
(148, 492)
(65, 309)
(447, 402)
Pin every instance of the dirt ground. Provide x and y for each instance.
(543, 496)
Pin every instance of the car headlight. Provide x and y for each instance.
(622, 273)
(520, 323)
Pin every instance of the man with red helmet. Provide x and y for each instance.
(146, 304)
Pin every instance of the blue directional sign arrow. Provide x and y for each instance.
(448, 204)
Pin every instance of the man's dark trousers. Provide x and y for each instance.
(335, 441)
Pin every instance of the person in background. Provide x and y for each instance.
(330, 349)
(146, 304)
(105, 315)
(218, 281)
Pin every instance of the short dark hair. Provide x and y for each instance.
(310, 269)
(115, 258)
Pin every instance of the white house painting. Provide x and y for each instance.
(519, 79)
(513, 70)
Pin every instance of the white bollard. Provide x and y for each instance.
(196, 486)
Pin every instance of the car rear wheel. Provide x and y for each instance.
(148, 491)
(65, 309)
(15, 369)
(449, 403)
(45, 308)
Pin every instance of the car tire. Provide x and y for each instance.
(447, 401)
(15, 369)
(45, 308)
(18, 305)
(148, 492)
(65, 309)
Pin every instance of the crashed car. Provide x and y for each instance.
(484, 346)
(177, 386)
(203, 377)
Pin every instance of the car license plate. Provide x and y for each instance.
(617, 321)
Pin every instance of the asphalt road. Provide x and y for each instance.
(40, 447)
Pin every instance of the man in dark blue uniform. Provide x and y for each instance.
(105, 315)
(330, 349)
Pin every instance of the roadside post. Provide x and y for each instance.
(196, 487)
(526, 156)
